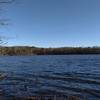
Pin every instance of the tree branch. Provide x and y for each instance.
(6, 1)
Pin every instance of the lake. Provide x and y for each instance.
(65, 75)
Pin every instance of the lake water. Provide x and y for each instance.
(77, 75)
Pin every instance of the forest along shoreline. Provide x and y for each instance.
(26, 50)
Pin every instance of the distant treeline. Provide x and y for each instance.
(24, 50)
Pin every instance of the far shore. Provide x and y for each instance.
(31, 51)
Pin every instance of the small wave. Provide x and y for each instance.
(48, 83)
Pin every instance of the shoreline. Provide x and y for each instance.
(31, 51)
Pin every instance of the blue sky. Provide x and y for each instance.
(53, 23)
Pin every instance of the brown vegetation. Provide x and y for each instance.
(24, 50)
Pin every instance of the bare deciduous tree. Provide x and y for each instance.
(2, 20)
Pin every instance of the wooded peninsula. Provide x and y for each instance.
(25, 50)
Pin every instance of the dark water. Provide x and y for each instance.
(77, 75)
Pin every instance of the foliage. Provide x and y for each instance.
(25, 50)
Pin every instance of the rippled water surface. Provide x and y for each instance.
(77, 75)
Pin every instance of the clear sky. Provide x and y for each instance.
(53, 23)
